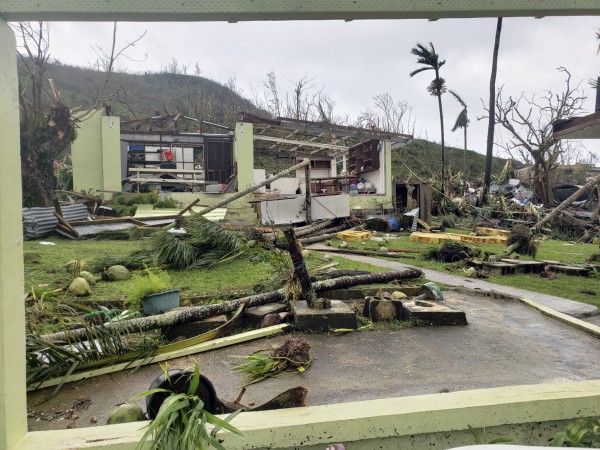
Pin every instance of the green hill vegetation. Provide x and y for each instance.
(134, 96)
(421, 158)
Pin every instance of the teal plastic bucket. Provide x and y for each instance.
(159, 303)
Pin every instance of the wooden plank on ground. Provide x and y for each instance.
(199, 348)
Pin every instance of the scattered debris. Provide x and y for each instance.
(292, 355)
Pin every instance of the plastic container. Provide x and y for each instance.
(159, 303)
(179, 382)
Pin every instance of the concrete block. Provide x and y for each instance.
(338, 315)
(432, 313)
(193, 329)
(253, 316)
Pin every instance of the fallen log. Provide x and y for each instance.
(292, 398)
(304, 231)
(193, 313)
(388, 254)
(318, 238)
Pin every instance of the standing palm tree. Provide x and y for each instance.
(489, 153)
(431, 61)
(462, 121)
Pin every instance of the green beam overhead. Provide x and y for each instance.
(250, 10)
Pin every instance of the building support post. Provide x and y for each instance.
(13, 409)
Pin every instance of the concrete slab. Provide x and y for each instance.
(338, 315)
(563, 305)
(432, 313)
(505, 344)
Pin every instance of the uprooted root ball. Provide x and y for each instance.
(454, 252)
(292, 355)
(294, 350)
(521, 240)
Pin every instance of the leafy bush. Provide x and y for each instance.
(181, 422)
(126, 204)
(166, 203)
(151, 281)
(448, 222)
(584, 433)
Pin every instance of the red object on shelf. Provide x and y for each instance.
(167, 155)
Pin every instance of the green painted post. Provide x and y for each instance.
(13, 412)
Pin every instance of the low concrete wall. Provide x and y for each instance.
(529, 415)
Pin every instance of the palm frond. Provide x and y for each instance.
(203, 245)
(136, 233)
(458, 99)
(173, 250)
(462, 121)
(419, 70)
(102, 347)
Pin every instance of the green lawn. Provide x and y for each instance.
(255, 270)
(234, 279)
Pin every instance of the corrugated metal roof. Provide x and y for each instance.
(88, 230)
(39, 222)
(76, 211)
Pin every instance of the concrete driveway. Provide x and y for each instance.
(504, 344)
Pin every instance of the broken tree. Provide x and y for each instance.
(300, 270)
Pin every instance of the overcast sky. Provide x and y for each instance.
(355, 61)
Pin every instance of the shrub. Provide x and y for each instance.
(150, 281)
(448, 222)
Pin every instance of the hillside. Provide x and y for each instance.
(137, 96)
(423, 157)
(134, 96)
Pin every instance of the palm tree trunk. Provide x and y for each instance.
(439, 96)
(300, 270)
(464, 162)
(194, 313)
(492, 115)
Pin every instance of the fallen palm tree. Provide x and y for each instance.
(47, 360)
(198, 243)
(194, 313)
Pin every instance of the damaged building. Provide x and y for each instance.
(350, 168)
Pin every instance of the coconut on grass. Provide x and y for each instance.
(116, 273)
(79, 287)
(91, 279)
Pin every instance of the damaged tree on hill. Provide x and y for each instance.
(46, 132)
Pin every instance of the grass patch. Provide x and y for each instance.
(233, 279)
(551, 250)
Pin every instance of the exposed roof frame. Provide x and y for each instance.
(339, 130)
(260, 137)
(331, 138)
